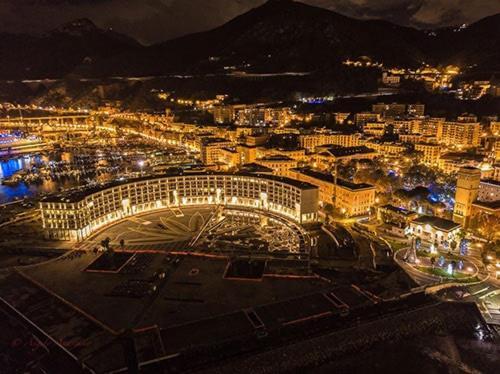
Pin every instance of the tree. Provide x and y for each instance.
(487, 226)
(105, 243)
(433, 261)
(453, 244)
(122, 244)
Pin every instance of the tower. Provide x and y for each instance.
(467, 189)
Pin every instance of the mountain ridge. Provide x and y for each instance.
(278, 36)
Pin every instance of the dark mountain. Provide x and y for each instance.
(279, 36)
(284, 35)
(59, 52)
(477, 44)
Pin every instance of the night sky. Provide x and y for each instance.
(151, 21)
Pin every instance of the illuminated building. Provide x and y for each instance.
(298, 154)
(224, 114)
(468, 180)
(278, 163)
(74, 216)
(280, 117)
(395, 219)
(416, 138)
(467, 118)
(403, 125)
(361, 118)
(459, 134)
(327, 156)
(247, 153)
(256, 140)
(340, 117)
(389, 110)
(434, 229)
(391, 80)
(452, 162)
(417, 110)
(429, 126)
(494, 87)
(395, 215)
(430, 153)
(495, 128)
(489, 190)
(376, 129)
(496, 173)
(210, 149)
(229, 157)
(352, 199)
(311, 141)
(10, 144)
(387, 148)
(251, 117)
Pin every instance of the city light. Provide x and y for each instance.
(292, 183)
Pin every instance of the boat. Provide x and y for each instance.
(13, 180)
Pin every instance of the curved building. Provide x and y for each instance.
(77, 214)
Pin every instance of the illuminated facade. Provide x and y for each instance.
(430, 153)
(327, 156)
(376, 129)
(489, 190)
(210, 149)
(352, 199)
(434, 229)
(76, 216)
(311, 141)
(460, 134)
(390, 149)
(468, 181)
(279, 164)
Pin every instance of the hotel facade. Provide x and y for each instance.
(75, 216)
(352, 199)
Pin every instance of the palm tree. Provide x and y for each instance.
(433, 261)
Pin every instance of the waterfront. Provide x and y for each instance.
(15, 192)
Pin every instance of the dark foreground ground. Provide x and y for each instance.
(188, 316)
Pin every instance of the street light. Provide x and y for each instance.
(141, 165)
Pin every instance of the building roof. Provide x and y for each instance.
(276, 158)
(491, 181)
(214, 140)
(329, 178)
(399, 210)
(348, 151)
(487, 205)
(437, 222)
(254, 167)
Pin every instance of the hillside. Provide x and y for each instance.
(279, 36)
